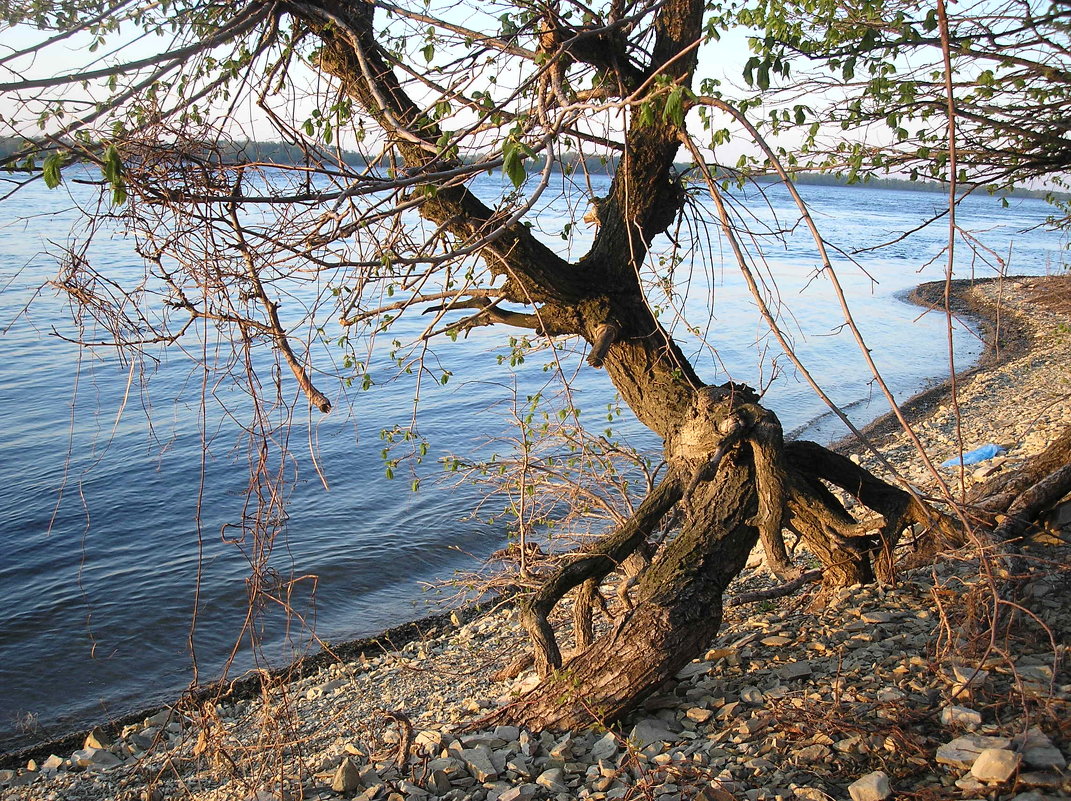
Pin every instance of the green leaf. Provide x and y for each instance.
(428, 51)
(113, 174)
(51, 170)
(674, 110)
(513, 162)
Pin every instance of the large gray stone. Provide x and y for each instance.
(872, 787)
(604, 748)
(563, 749)
(347, 777)
(1039, 752)
(963, 751)
(650, 730)
(995, 765)
(480, 763)
(553, 780)
(507, 733)
(95, 758)
(438, 783)
(794, 671)
(693, 669)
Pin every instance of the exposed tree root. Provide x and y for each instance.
(592, 565)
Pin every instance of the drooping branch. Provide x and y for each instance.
(275, 326)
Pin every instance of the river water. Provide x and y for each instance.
(115, 486)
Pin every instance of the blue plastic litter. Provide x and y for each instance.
(974, 457)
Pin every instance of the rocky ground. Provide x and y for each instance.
(906, 691)
(1020, 400)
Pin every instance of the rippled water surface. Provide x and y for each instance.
(113, 508)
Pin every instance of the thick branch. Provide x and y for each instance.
(1026, 508)
(596, 563)
(767, 446)
(352, 53)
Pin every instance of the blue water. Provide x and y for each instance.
(123, 485)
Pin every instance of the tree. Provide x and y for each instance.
(881, 80)
(432, 98)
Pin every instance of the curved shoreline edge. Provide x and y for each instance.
(1005, 338)
(248, 685)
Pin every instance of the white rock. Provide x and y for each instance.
(995, 765)
(963, 751)
(347, 778)
(872, 787)
(553, 780)
(961, 716)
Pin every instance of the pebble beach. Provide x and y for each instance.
(899, 691)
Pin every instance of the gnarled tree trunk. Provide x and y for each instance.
(731, 480)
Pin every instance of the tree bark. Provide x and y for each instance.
(677, 613)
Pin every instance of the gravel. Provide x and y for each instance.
(886, 689)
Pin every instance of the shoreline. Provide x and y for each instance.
(1003, 341)
(928, 294)
(248, 686)
(1025, 340)
(1012, 332)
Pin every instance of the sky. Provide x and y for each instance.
(722, 59)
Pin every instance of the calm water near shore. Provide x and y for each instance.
(114, 495)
